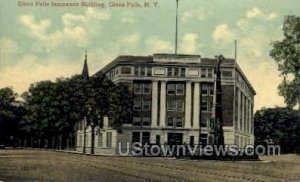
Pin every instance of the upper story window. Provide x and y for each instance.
(126, 70)
(170, 71)
(177, 89)
(149, 71)
(207, 89)
(176, 72)
(137, 88)
(142, 71)
(207, 72)
(227, 74)
(142, 88)
(171, 89)
(146, 88)
(180, 89)
(182, 72)
(137, 105)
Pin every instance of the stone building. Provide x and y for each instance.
(174, 100)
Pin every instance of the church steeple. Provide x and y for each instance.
(85, 70)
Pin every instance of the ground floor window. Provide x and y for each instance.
(203, 139)
(100, 138)
(79, 140)
(146, 137)
(135, 137)
(192, 140)
(157, 139)
(108, 139)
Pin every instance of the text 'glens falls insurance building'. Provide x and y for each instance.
(174, 99)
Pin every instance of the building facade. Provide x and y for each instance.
(174, 100)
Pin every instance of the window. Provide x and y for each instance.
(180, 105)
(210, 73)
(180, 89)
(171, 89)
(147, 88)
(204, 106)
(137, 88)
(203, 122)
(203, 139)
(146, 137)
(211, 90)
(146, 121)
(136, 121)
(227, 74)
(136, 71)
(182, 72)
(143, 71)
(135, 137)
(157, 139)
(170, 72)
(179, 122)
(192, 140)
(146, 105)
(149, 71)
(100, 138)
(108, 139)
(171, 105)
(170, 122)
(126, 70)
(79, 140)
(137, 105)
(204, 89)
(210, 107)
(203, 72)
(176, 71)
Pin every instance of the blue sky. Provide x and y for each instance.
(39, 43)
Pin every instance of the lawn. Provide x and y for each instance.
(35, 165)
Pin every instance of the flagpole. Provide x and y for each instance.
(176, 30)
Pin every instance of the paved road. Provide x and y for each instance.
(33, 165)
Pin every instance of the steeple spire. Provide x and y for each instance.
(85, 70)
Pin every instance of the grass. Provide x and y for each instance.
(36, 165)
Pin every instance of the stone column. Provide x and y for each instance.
(196, 109)
(188, 105)
(162, 113)
(238, 109)
(154, 104)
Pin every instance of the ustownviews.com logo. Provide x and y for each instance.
(140, 149)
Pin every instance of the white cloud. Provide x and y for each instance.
(156, 45)
(75, 28)
(132, 39)
(257, 13)
(8, 46)
(254, 12)
(222, 33)
(28, 71)
(272, 16)
(265, 78)
(189, 43)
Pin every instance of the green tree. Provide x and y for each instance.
(279, 125)
(11, 112)
(287, 55)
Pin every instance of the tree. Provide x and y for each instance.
(279, 125)
(11, 112)
(287, 55)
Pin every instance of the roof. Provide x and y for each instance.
(130, 59)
